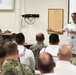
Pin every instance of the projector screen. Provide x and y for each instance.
(72, 8)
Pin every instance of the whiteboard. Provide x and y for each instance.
(6, 4)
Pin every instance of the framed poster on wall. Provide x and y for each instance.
(55, 19)
(6, 4)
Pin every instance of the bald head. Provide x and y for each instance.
(45, 60)
(65, 52)
(40, 37)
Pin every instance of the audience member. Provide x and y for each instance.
(46, 64)
(2, 55)
(11, 61)
(63, 65)
(13, 37)
(1, 38)
(53, 46)
(71, 32)
(39, 45)
(6, 40)
(26, 56)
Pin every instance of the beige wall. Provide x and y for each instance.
(41, 7)
(12, 20)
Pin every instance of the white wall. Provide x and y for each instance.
(41, 7)
(12, 19)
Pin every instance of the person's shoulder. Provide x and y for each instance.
(10, 62)
(33, 46)
(44, 46)
(17, 67)
(27, 69)
(40, 46)
(29, 51)
(72, 67)
(70, 24)
(42, 50)
(73, 61)
(9, 65)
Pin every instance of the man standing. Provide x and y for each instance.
(71, 33)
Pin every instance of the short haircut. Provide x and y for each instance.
(6, 40)
(20, 38)
(10, 47)
(46, 68)
(54, 38)
(73, 13)
(40, 37)
(13, 36)
(2, 52)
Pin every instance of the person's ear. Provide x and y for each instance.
(57, 54)
(17, 52)
(54, 64)
(70, 56)
(1, 62)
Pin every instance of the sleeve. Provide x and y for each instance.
(27, 70)
(42, 50)
(31, 47)
(65, 28)
(32, 60)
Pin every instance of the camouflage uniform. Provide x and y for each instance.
(1, 38)
(73, 61)
(15, 66)
(36, 49)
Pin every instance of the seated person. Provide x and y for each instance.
(26, 56)
(53, 46)
(13, 37)
(1, 38)
(39, 45)
(11, 61)
(2, 55)
(63, 65)
(46, 64)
